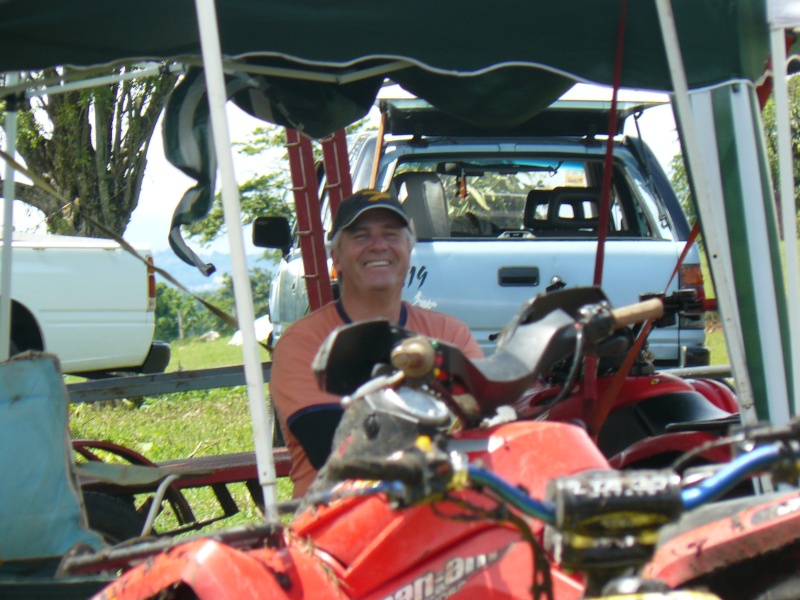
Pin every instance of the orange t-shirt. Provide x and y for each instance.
(292, 384)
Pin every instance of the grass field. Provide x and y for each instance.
(201, 423)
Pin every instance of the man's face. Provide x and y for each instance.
(373, 254)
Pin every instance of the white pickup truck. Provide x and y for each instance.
(503, 216)
(87, 301)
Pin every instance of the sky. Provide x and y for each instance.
(164, 185)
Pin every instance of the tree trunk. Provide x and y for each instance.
(92, 152)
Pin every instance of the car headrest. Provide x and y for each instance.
(562, 208)
(422, 195)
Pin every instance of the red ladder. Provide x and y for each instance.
(305, 188)
(338, 183)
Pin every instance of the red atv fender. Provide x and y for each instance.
(215, 571)
(746, 545)
(634, 433)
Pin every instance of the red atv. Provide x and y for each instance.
(433, 493)
(640, 418)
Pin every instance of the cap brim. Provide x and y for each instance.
(398, 211)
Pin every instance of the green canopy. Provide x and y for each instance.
(492, 62)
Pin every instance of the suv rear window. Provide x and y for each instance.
(514, 197)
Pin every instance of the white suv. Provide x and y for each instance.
(502, 217)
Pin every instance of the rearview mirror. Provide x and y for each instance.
(272, 232)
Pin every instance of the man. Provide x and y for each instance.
(370, 244)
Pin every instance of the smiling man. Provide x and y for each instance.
(370, 245)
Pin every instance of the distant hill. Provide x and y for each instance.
(193, 279)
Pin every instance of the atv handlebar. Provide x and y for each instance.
(636, 313)
(416, 356)
(657, 489)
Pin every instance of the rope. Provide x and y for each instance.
(604, 406)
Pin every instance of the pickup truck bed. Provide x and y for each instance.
(87, 301)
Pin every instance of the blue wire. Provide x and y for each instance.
(730, 475)
(544, 511)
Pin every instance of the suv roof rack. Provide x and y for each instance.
(563, 118)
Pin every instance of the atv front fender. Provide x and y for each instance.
(215, 571)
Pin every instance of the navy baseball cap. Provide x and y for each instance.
(356, 205)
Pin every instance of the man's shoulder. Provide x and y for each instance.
(444, 327)
(316, 324)
(433, 319)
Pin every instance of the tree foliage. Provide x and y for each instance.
(180, 316)
(91, 147)
(264, 194)
(771, 130)
(680, 183)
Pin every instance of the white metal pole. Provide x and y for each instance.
(260, 415)
(8, 228)
(719, 259)
(788, 210)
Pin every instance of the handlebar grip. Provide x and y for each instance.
(414, 356)
(636, 313)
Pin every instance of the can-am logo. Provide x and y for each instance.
(438, 585)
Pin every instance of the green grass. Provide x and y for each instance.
(176, 426)
(715, 341)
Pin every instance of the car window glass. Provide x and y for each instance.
(487, 196)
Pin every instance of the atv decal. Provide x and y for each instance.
(423, 302)
(438, 585)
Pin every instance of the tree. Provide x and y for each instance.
(265, 194)
(90, 146)
(180, 316)
(172, 308)
(680, 183)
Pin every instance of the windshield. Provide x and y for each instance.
(489, 196)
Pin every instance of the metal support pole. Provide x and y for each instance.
(788, 212)
(8, 228)
(245, 313)
(723, 276)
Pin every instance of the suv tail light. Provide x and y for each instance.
(691, 277)
(151, 286)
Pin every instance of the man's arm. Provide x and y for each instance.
(306, 413)
(314, 428)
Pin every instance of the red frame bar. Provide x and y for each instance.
(305, 188)
(338, 182)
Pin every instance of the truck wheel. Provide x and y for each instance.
(113, 518)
